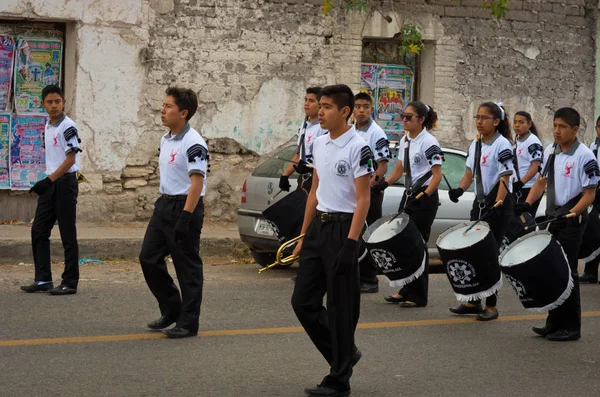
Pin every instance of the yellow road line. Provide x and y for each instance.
(266, 331)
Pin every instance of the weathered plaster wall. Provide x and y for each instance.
(250, 61)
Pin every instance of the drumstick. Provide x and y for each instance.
(498, 204)
(569, 215)
(508, 192)
(274, 197)
(447, 183)
(402, 210)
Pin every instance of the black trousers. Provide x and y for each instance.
(592, 266)
(498, 221)
(521, 196)
(569, 233)
(159, 242)
(59, 203)
(331, 329)
(422, 212)
(367, 266)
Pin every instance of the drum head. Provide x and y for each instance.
(383, 230)
(454, 239)
(525, 248)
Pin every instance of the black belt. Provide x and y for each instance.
(177, 197)
(325, 217)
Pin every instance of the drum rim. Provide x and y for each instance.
(458, 226)
(517, 241)
(375, 225)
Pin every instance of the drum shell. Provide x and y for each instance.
(590, 244)
(287, 215)
(400, 258)
(473, 272)
(543, 282)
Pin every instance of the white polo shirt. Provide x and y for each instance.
(424, 153)
(594, 148)
(496, 161)
(338, 163)
(180, 156)
(377, 140)
(574, 170)
(61, 138)
(528, 149)
(312, 132)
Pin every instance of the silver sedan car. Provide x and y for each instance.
(262, 185)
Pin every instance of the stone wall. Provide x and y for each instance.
(250, 61)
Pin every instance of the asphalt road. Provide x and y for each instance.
(95, 343)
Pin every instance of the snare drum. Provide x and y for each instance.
(538, 270)
(286, 215)
(471, 261)
(590, 245)
(397, 248)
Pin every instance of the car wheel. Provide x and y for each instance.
(266, 258)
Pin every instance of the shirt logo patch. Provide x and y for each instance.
(519, 151)
(484, 158)
(436, 157)
(173, 154)
(308, 138)
(418, 159)
(568, 168)
(342, 168)
(55, 140)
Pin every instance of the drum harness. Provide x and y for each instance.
(411, 188)
(519, 194)
(479, 194)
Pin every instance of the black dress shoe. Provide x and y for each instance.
(37, 287)
(542, 331)
(393, 299)
(409, 305)
(369, 288)
(356, 356)
(324, 391)
(588, 278)
(464, 309)
(178, 333)
(62, 290)
(162, 322)
(487, 315)
(562, 335)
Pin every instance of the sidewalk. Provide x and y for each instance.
(111, 241)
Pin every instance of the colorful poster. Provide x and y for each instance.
(7, 46)
(4, 150)
(37, 64)
(391, 87)
(27, 152)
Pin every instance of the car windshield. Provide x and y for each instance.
(276, 164)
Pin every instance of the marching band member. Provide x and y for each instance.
(527, 157)
(489, 162)
(57, 198)
(335, 215)
(420, 161)
(377, 140)
(590, 272)
(175, 226)
(571, 177)
(307, 134)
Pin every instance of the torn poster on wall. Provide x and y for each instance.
(4, 150)
(38, 63)
(27, 151)
(7, 46)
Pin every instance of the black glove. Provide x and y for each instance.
(42, 186)
(182, 226)
(347, 256)
(454, 194)
(522, 207)
(302, 167)
(284, 183)
(517, 186)
(380, 186)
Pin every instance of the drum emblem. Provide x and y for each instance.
(384, 259)
(461, 272)
(517, 286)
(342, 168)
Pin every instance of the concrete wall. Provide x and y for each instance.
(250, 62)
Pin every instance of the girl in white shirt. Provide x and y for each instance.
(528, 153)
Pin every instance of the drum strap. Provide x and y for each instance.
(516, 161)
(302, 145)
(407, 173)
(548, 173)
(597, 142)
(480, 196)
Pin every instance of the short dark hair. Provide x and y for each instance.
(426, 111)
(52, 89)
(314, 90)
(569, 116)
(341, 95)
(185, 99)
(363, 96)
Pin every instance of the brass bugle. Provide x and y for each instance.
(287, 260)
